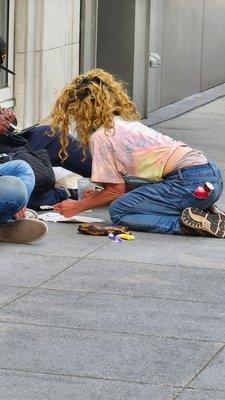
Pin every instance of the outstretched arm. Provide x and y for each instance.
(69, 208)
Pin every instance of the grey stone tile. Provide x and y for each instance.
(8, 294)
(30, 270)
(29, 386)
(196, 121)
(104, 276)
(192, 394)
(62, 240)
(103, 312)
(213, 376)
(102, 355)
(185, 251)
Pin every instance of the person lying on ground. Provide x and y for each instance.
(163, 173)
(38, 138)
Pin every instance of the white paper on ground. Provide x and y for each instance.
(56, 217)
(51, 208)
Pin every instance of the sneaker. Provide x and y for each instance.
(23, 231)
(205, 223)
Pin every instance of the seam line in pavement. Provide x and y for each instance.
(178, 266)
(205, 389)
(58, 273)
(121, 333)
(199, 372)
(89, 377)
(129, 295)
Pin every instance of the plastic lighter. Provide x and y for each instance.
(126, 236)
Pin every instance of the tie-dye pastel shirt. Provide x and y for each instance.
(130, 150)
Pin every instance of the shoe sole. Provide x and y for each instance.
(209, 224)
(23, 231)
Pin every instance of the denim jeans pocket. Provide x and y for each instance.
(190, 200)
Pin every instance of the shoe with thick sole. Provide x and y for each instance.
(23, 231)
(206, 223)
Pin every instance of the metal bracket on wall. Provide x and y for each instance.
(154, 60)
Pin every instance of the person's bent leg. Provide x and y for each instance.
(13, 197)
(158, 207)
(148, 208)
(19, 169)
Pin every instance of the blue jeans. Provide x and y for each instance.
(16, 184)
(38, 139)
(157, 207)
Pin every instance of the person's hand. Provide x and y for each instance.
(68, 208)
(8, 114)
(4, 125)
(21, 213)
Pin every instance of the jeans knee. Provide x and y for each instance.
(14, 191)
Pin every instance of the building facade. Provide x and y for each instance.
(165, 50)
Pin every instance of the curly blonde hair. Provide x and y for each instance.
(90, 100)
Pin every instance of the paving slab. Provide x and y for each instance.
(29, 386)
(213, 376)
(185, 251)
(215, 107)
(62, 240)
(192, 394)
(8, 294)
(126, 314)
(132, 358)
(32, 270)
(195, 120)
(138, 279)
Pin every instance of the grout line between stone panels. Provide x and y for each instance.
(206, 389)
(178, 266)
(130, 295)
(139, 296)
(54, 276)
(40, 255)
(199, 372)
(121, 333)
(88, 377)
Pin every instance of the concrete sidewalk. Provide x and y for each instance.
(83, 318)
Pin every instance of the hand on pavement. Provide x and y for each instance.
(68, 208)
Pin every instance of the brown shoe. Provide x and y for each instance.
(23, 231)
(204, 223)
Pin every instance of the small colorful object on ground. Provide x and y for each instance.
(126, 236)
(114, 238)
(121, 236)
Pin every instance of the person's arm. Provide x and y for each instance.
(69, 208)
